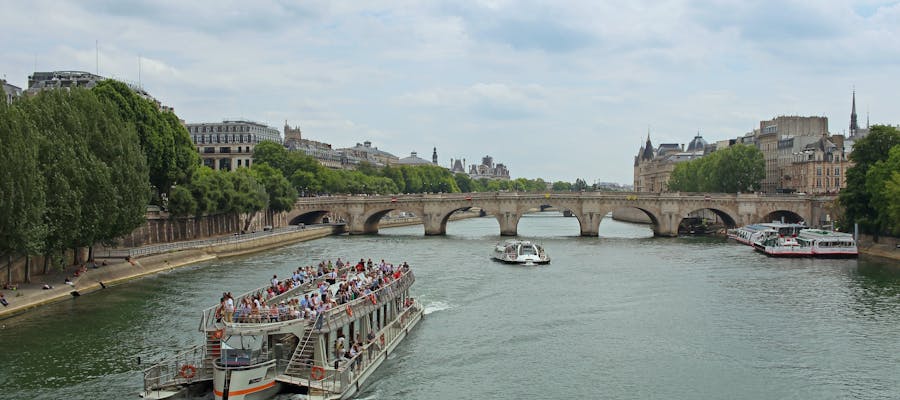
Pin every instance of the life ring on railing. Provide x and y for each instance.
(382, 340)
(373, 298)
(349, 310)
(218, 334)
(317, 373)
(188, 371)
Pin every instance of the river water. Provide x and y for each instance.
(623, 316)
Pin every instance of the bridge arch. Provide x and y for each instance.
(783, 215)
(725, 215)
(371, 219)
(310, 217)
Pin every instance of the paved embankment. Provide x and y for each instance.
(28, 296)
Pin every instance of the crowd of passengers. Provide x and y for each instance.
(354, 282)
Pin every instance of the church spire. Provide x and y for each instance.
(434, 156)
(853, 125)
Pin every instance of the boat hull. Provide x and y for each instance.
(248, 383)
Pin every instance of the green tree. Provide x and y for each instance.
(164, 142)
(881, 184)
(856, 198)
(22, 188)
(281, 193)
(182, 202)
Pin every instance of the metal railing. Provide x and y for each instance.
(193, 244)
(337, 380)
(208, 318)
(182, 368)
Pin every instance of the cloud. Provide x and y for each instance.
(552, 90)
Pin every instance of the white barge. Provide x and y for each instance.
(255, 356)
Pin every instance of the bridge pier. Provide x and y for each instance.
(434, 224)
(589, 223)
(509, 223)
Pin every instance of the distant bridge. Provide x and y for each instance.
(665, 210)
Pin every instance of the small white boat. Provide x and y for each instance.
(515, 251)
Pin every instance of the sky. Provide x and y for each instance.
(554, 90)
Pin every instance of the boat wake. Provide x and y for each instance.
(436, 306)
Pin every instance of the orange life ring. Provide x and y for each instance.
(373, 298)
(317, 373)
(188, 371)
(382, 339)
(218, 334)
(349, 310)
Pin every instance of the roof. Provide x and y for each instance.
(413, 159)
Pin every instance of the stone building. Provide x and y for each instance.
(366, 152)
(488, 170)
(780, 137)
(821, 166)
(653, 167)
(321, 151)
(10, 92)
(229, 144)
(39, 81)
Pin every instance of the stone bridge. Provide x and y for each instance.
(665, 210)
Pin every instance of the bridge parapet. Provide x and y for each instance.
(666, 210)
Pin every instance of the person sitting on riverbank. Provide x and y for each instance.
(10, 286)
(3, 300)
(69, 282)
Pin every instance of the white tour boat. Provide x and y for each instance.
(829, 244)
(771, 243)
(257, 355)
(753, 233)
(515, 251)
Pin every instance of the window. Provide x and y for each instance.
(818, 182)
(224, 149)
(837, 171)
(818, 171)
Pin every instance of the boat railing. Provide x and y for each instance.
(334, 316)
(209, 321)
(182, 368)
(337, 380)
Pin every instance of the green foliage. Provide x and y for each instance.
(738, 168)
(170, 155)
(862, 200)
(74, 176)
(22, 185)
(181, 202)
(882, 182)
(279, 190)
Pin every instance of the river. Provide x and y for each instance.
(623, 316)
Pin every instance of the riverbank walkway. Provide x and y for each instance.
(119, 265)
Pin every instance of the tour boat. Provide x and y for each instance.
(258, 357)
(774, 244)
(515, 251)
(753, 233)
(829, 244)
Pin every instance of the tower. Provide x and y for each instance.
(434, 156)
(853, 126)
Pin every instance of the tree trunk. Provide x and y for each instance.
(9, 269)
(91, 252)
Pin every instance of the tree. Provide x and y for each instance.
(881, 184)
(856, 198)
(22, 189)
(281, 193)
(735, 169)
(170, 155)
